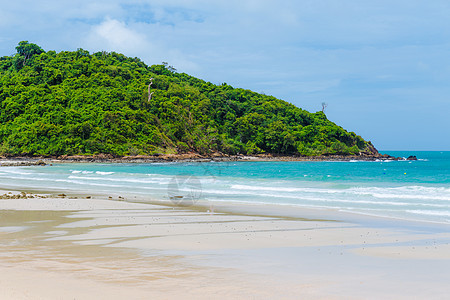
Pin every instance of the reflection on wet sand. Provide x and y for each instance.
(45, 237)
(122, 249)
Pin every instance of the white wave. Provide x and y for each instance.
(123, 179)
(78, 182)
(430, 213)
(306, 198)
(27, 178)
(405, 192)
(410, 196)
(104, 173)
(409, 188)
(284, 189)
(7, 170)
(81, 171)
(258, 194)
(385, 160)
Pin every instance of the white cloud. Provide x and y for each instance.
(114, 35)
(145, 41)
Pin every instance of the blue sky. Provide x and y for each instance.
(382, 66)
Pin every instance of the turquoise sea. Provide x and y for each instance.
(412, 190)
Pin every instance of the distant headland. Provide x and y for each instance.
(74, 105)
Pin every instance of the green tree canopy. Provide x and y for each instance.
(81, 103)
(27, 50)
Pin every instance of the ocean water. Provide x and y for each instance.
(412, 190)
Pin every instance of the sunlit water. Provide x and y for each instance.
(414, 190)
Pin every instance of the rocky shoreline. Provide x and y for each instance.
(186, 157)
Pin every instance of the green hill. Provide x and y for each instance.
(81, 103)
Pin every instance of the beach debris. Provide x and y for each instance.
(21, 195)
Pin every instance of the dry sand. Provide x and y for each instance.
(60, 248)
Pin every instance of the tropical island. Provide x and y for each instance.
(107, 105)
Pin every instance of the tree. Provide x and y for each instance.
(324, 106)
(28, 50)
(170, 68)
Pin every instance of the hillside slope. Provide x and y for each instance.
(81, 103)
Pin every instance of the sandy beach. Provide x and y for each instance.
(99, 248)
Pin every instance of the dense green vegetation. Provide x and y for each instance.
(81, 103)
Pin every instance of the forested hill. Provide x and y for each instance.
(81, 103)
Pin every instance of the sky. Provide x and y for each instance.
(381, 66)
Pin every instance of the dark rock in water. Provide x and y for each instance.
(412, 157)
(389, 157)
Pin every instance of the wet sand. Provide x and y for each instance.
(61, 248)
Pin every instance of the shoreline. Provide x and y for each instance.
(253, 209)
(188, 157)
(263, 209)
